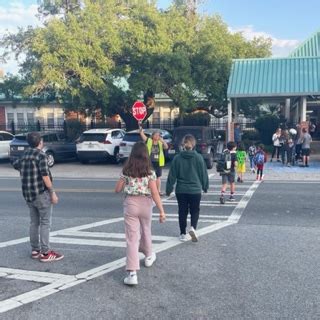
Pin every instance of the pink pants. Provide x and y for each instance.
(137, 219)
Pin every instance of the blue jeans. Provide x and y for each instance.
(40, 222)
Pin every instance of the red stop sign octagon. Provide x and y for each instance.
(139, 110)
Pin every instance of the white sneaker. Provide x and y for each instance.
(193, 234)
(131, 279)
(183, 237)
(149, 261)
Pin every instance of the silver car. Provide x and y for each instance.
(5, 139)
(132, 137)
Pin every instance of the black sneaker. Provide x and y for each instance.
(232, 198)
(222, 200)
(238, 180)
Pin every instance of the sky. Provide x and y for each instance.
(286, 22)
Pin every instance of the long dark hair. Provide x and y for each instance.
(138, 165)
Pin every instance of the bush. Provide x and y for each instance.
(266, 126)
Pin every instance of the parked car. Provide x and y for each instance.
(99, 144)
(56, 146)
(5, 139)
(132, 137)
(208, 143)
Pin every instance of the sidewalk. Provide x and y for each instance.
(73, 170)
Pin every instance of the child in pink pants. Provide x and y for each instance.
(138, 182)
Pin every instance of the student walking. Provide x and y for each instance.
(138, 182)
(241, 161)
(38, 192)
(260, 159)
(251, 152)
(188, 171)
(229, 174)
(156, 146)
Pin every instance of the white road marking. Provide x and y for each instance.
(64, 282)
(217, 204)
(238, 210)
(89, 242)
(108, 235)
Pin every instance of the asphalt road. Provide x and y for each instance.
(261, 266)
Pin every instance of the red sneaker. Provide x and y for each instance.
(51, 256)
(35, 254)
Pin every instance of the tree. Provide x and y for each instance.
(85, 48)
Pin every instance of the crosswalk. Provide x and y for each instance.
(109, 233)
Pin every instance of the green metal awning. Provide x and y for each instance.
(274, 77)
(309, 48)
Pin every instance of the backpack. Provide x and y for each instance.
(259, 158)
(224, 163)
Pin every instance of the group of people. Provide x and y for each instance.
(140, 183)
(291, 146)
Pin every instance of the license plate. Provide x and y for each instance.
(171, 151)
(20, 148)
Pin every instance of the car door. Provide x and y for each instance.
(67, 147)
(116, 138)
(5, 139)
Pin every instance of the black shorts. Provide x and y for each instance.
(157, 169)
(306, 152)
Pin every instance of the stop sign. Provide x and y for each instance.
(139, 110)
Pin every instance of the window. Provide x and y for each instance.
(116, 135)
(60, 119)
(50, 120)
(30, 118)
(5, 137)
(10, 118)
(50, 138)
(20, 118)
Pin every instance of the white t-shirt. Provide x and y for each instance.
(275, 139)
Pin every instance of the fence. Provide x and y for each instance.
(78, 127)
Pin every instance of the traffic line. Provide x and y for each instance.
(62, 283)
(55, 233)
(238, 210)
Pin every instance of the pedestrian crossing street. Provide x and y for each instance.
(109, 233)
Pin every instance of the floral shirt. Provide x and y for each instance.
(138, 186)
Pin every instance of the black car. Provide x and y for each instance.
(208, 142)
(56, 146)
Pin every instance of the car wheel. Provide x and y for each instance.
(50, 159)
(209, 161)
(116, 156)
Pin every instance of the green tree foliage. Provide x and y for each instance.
(86, 48)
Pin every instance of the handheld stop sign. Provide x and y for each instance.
(139, 110)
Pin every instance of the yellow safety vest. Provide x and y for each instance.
(161, 154)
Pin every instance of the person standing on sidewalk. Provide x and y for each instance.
(188, 171)
(37, 190)
(138, 182)
(276, 145)
(156, 146)
(306, 141)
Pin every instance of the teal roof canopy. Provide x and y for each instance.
(309, 48)
(278, 77)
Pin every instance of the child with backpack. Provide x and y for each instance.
(226, 167)
(241, 161)
(138, 182)
(251, 152)
(260, 159)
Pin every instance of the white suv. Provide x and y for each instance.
(99, 144)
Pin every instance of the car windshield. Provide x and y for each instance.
(179, 134)
(21, 137)
(99, 137)
(132, 137)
